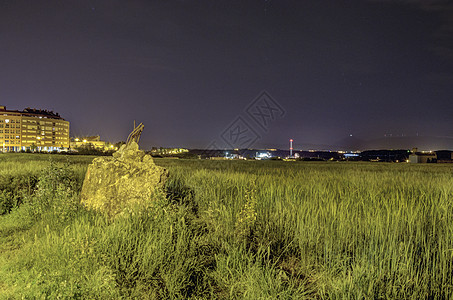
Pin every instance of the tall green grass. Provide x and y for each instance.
(19, 174)
(346, 230)
(238, 230)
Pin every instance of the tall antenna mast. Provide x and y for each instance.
(291, 148)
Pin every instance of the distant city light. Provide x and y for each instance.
(263, 155)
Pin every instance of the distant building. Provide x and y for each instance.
(422, 157)
(401, 155)
(94, 141)
(444, 156)
(32, 129)
(168, 151)
(262, 155)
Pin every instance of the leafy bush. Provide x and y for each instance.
(56, 195)
(13, 189)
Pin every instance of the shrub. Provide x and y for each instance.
(56, 194)
(13, 189)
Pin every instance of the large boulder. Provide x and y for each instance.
(129, 178)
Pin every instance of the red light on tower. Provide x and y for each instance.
(291, 148)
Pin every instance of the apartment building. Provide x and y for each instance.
(32, 129)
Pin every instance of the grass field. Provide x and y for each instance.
(231, 230)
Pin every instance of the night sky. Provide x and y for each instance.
(195, 71)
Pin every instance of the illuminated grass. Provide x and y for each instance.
(345, 230)
(246, 229)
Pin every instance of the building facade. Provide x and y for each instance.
(32, 129)
(444, 156)
(423, 157)
(94, 141)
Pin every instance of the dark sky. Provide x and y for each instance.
(190, 69)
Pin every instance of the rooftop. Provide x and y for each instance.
(33, 111)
